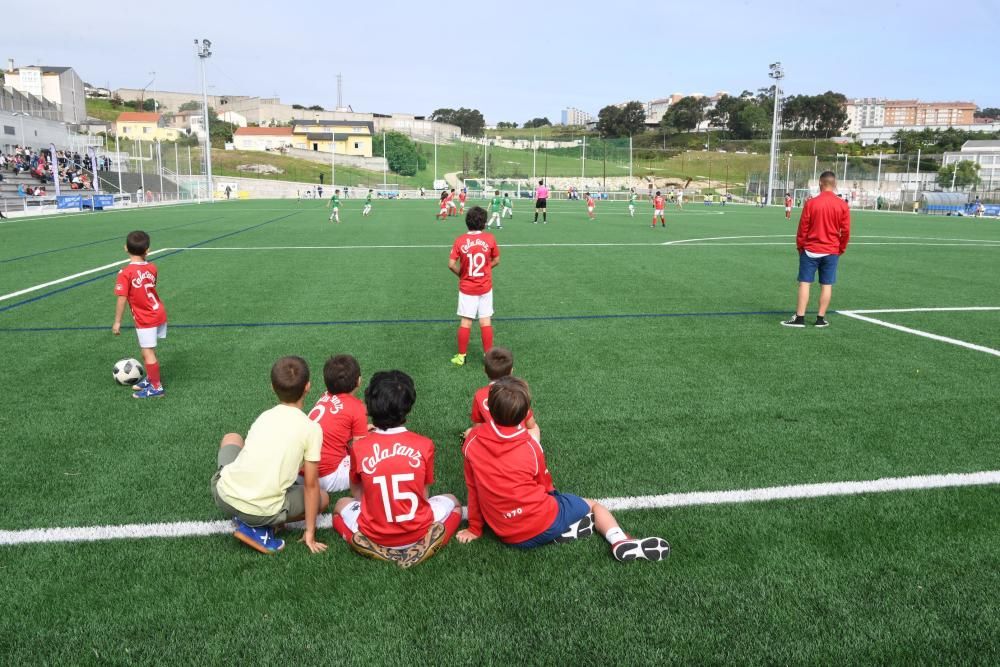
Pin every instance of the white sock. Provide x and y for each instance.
(615, 535)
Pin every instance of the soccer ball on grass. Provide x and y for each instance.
(127, 372)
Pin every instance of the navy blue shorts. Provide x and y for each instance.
(827, 268)
(571, 509)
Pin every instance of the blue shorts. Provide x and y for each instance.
(827, 268)
(571, 509)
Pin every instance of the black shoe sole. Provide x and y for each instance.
(650, 548)
(585, 528)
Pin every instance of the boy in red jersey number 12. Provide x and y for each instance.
(136, 285)
(473, 257)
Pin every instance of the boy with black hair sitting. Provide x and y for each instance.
(390, 516)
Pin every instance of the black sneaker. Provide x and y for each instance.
(821, 322)
(650, 548)
(798, 321)
(579, 530)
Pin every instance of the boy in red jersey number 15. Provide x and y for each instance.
(473, 257)
(136, 286)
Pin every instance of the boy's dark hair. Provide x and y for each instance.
(509, 401)
(541, 182)
(389, 397)
(657, 192)
(496, 192)
(137, 242)
(475, 219)
(289, 377)
(498, 362)
(341, 374)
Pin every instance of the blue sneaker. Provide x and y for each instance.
(141, 384)
(149, 392)
(262, 539)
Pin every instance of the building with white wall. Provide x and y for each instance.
(985, 153)
(574, 116)
(60, 85)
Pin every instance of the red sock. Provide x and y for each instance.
(341, 527)
(451, 524)
(463, 339)
(487, 334)
(153, 371)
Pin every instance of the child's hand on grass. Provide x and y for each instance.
(465, 536)
(309, 539)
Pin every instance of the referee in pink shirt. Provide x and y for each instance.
(824, 229)
(541, 201)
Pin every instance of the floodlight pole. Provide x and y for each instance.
(385, 163)
(583, 159)
(776, 73)
(534, 155)
(118, 163)
(203, 51)
(435, 158)
(878, 176)
(630, 161)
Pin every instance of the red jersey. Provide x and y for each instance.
(476, 250)
(461, 197)
(481, 408)
(508, 483)
(825, 225)
(342, 417)
(658, 203)
(590, 201)
(450, 197)
(788, 202)
(137, 283)
(393, 469)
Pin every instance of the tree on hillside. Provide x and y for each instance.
(815, 115)
(471, 121)
(621, 121)
(504, 125)
(988, 112)
(685, 114)
(193, 105)
(401, 153)
(964, 173)
(538, 122)
(316, 107)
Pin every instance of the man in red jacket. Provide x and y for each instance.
(824, 229)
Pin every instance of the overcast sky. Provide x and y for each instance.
(516, 60)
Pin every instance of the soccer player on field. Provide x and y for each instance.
(680, 199)
(541, 202)
(508, 207)
(473, 257)
(498, 363)
(633, 198)
(255, 481)
(495, 205)
(443, 213)
(788, 206)
(590, 205)
(510, 488)
(342, 418)
(452, 206)
(136, 286)
(824, 230)
(392, 516)
(461, 202)
(368, 203)
(658, 204)
(334, 203)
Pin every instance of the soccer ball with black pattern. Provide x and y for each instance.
(128, 372)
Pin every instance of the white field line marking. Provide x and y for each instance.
(791, 492)
(64, 279)
(925, 310)
(853, 243)
(918, 332)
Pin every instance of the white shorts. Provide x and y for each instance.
(442, 211)
(590, 209)
(475, 306)
(338, 480)
(147, 337)
(788, 209)
(451, 204)
(442, 506)
(658, 213)
(495, 215)
(506, 212)
(631, 205)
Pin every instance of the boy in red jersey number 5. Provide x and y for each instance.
(136, 285)
(473, 258)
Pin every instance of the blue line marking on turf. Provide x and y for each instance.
(158, 258)
(450, 320)
(113, 238)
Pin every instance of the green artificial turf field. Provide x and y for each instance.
(657, 366)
